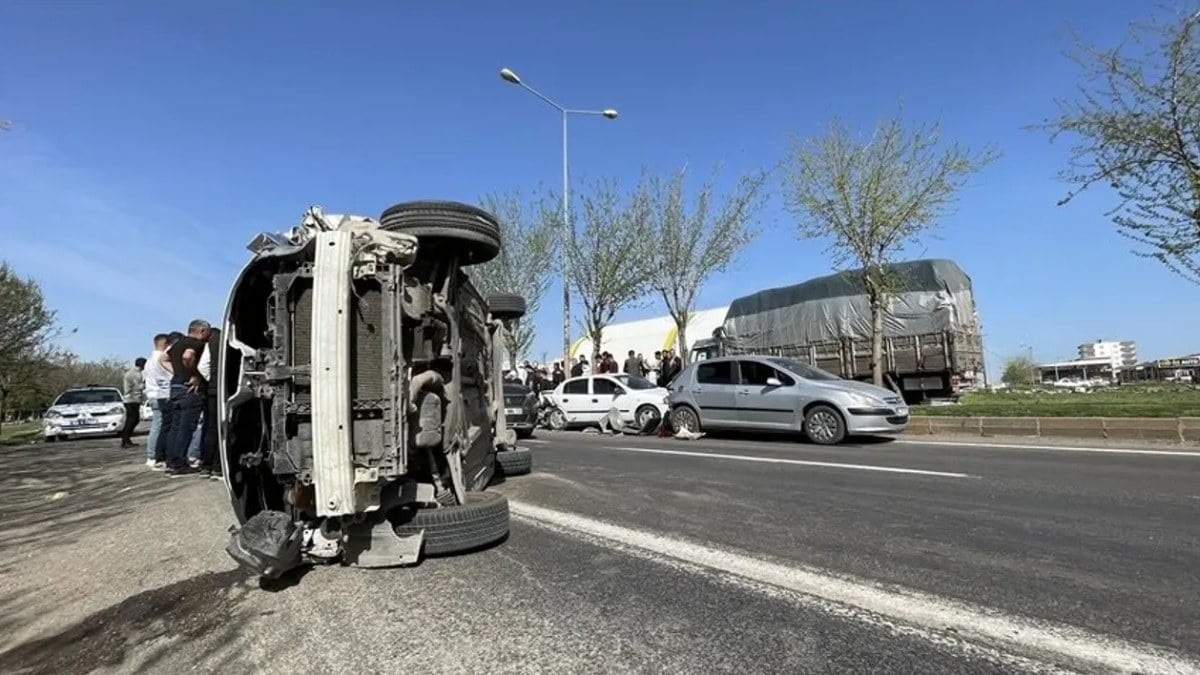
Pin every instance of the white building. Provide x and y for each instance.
(651, 335)
(1122, 354)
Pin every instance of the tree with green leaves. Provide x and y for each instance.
(693, 239)
(872, 198)
(1135, 123)
(1019, 371)
(524, 266)
(27, 331)
(610, 265)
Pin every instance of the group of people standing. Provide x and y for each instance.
(177, 381)
(665, 366)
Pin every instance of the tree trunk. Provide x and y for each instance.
(877, 340)
(683, 342)
(597, 335)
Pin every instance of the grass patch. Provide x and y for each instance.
(1158, 401)
(20, 434)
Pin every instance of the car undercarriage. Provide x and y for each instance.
(360, 401)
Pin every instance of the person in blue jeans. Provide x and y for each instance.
(187, 395)
(157, 380)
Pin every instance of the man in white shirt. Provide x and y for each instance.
(157, 381)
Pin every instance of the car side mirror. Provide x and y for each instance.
(774, 382)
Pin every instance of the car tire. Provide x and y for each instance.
(506, 306)
(50, 439)
(524, 433)
(557, 419)
(824, 426)
(515, 462)
(447, 229)
(645, 414)
(684, 417)
(481, 521)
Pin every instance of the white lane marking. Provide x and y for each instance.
(802, 462)
(1062, 448)
(936, 617)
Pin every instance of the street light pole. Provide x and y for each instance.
(568, 235)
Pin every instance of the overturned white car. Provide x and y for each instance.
(361, 401)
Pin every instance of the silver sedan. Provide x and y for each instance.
(770, 393)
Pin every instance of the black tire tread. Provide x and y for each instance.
(473, 230)
(507, 305)
(481, 521)
(515, 462)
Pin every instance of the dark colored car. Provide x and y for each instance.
(520, 409)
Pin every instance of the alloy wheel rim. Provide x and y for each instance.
(822, 425)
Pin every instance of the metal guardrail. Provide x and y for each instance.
(1182, 430)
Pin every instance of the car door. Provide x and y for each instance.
(575, 399)
(714, 390)
(608, 393)
(766, 397)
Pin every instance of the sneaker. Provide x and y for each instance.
(194, 463)
(150, 464)
(181, 471)
(160, 466)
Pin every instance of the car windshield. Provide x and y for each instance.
(804, 370)
(634, 382)
(84, 396)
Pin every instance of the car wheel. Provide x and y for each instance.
(685, 418)
(823, 425)
(50, 439)
(447, 228)
(645, 415)
(481, 521)
(524, 433)
(558, 419)
(515, 462)
(506, 306)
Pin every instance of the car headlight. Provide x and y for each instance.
(52, 414)
(117, 409)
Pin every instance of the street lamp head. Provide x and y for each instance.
(509, 76)
(610, 113)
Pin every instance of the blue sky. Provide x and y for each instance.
(152, 140)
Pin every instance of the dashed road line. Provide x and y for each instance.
(1019, 641)
(799, 462)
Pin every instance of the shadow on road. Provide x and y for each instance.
(202, 607)
(53, 491)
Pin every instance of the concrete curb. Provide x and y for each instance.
(1180, 431)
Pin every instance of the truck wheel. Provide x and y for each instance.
(506, 306)
(823, 425)
(515, 462)
(685, 418)
(452, 529)
(447, 229)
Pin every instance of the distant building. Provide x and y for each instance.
(1122, 354)
(1079, 370)
(1185, 369)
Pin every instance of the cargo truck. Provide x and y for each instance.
(932, 341)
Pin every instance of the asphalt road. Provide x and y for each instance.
(634, 554)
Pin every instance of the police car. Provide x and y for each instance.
(84, 411)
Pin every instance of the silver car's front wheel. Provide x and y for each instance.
(823, 425)
(685, 418)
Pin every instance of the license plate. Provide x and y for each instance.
(513, 411)
(81, 422)
(902, 410)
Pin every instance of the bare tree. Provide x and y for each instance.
(610, 265)
(27, 329)
(1136, 125)
(525, 263)
(694, 239)
(872, 199)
